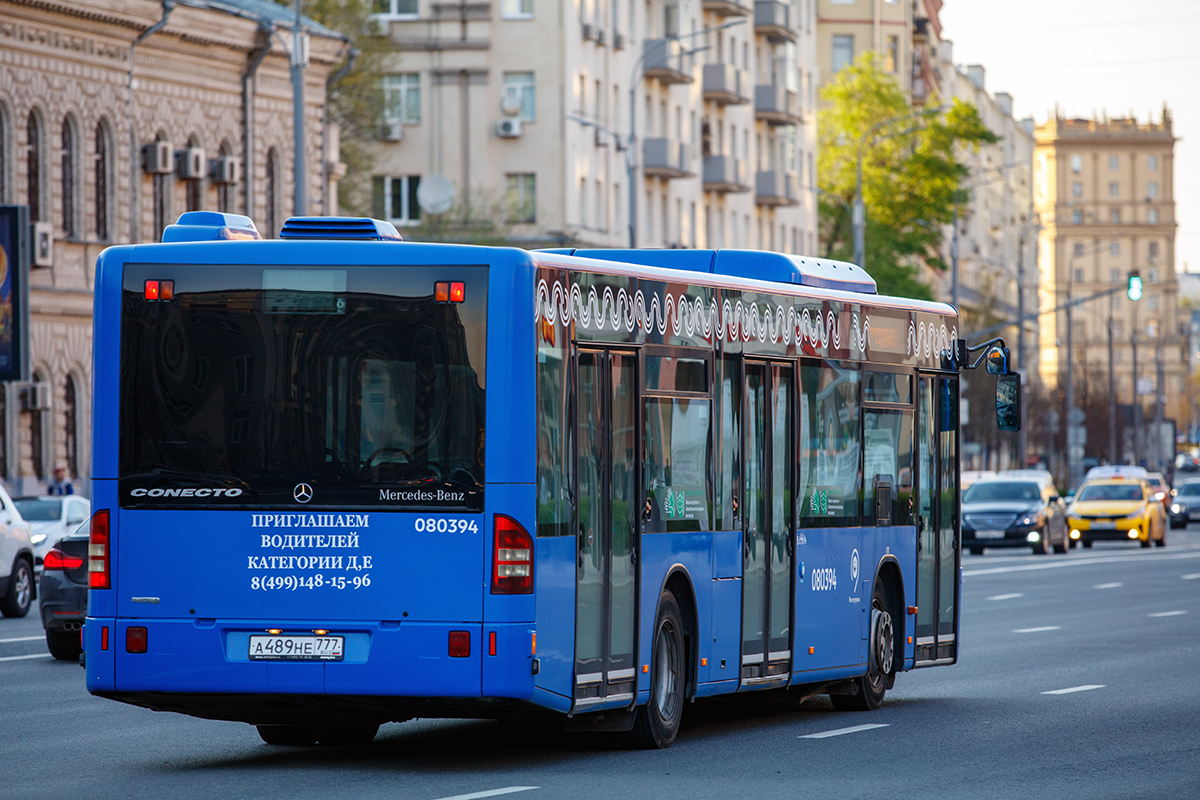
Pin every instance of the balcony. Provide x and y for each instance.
(726, 85)
(666, 158)
(775, 104)
(776, 188)
(453, 26)
(727, 8)
(920, 33)
(725, 174)
(663, 60)
(772, 19)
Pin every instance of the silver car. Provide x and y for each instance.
(50, 518)
(17, 587)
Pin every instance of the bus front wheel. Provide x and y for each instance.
(880, 659)
(657, 722)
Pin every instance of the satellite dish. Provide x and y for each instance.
(435, 194)
(510, 103)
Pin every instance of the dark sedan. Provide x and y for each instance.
(63, 593)
(1014, 513)
(1185, 504)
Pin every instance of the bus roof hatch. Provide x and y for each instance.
(354, 228)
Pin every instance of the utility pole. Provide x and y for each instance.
(1137, 403)
(300, 171)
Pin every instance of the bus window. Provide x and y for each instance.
(887, 460)
(829, 445)
(676, 465)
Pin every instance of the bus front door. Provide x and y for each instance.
(937, 522)
(767, 542)
(605, 578)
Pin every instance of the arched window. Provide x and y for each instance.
(161, 200)
(272, 194)
(192, 185)
(33, 175)
(70, 423)
(69, 219)
(35, 437)
(103, 174)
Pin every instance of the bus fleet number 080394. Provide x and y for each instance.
(445, 525)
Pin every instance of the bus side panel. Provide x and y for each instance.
(106, 358)
(554, 579)
(901, 543)
(508, 672)
(660, 552)
(511, 356)
(829, 601)
(723, 647)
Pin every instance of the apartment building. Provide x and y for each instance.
(1104, 191)
(906, 35)
(604, 123)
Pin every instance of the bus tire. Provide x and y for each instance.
(288, 735)
(347, 735)
(881, 663)
(657, 723)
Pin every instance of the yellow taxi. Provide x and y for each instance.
(1117, 509)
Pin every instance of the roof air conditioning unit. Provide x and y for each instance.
(393, 131)
(225, 170)
(191, 163)
(588, 30)
(43, 244)
(508, 128)
(35, 397)
(157, 158)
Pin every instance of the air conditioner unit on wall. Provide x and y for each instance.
(35, 397)
(588, 30)
(43, 244)
(600, 38)
(191, 163)
(508, 128)
(157, 158)
(392, 131)
(225, 170)
(618, 41)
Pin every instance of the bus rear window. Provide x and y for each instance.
(346, 387)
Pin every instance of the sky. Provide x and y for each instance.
(1089, 57)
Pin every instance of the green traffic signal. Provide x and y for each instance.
(1135, 286)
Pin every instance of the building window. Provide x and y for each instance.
(892, 59)
(843, 51)
(671, 19)
(1152, 190)
(1078, 276)
(1114, 162)
(1077, 189)
(402, 97)
(36, 438)
(69, 218)
(520, 84)
(1078, 248)
(1114, 189)
(4, 159)
(271, 193)
(224, 190)
(1077, 164)
(71, 426)
(1077, 217)
(1152, 162)
(1114, 248)
(1114, 216)
(395, 8)
(192, 185)
(516, 9)
(1153, 254)
(1153, 302)
(395, 198)
(1152, 216)
(1152, 275)
(103, 169)
(521, 196)
(33, 175)
(1114, 276)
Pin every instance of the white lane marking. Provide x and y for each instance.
(1167, 614)
(843, 731)
(1108, 585)
(1186, 552)
(25, 658)
(1011, 596)
(1074, 689)
(1191, 577)
(490, 793)
(1039, 630)
(23, 639)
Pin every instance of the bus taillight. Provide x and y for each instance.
(512, 558)
(99, 556)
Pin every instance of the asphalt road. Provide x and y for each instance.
(1078, 678)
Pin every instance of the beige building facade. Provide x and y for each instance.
(905, 34)
(115, 118)
(1104, 191)
(551, 112)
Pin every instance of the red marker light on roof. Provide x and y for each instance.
(458, 292)
(151, 292)
(441, 291)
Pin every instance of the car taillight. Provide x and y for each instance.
(99, 574)
(512, 557)
(57, 559)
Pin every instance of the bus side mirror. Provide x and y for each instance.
(1008, 402)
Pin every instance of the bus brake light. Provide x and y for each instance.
(512, 557)
(99, 555)
(458, 292)
(449, 292)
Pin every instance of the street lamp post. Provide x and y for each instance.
(299, 168)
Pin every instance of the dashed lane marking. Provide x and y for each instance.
(1010, 596)
(843, 731)
(1108, 585)
(1168, 614)
(23, 639)
(1039, 630)
(490, 793)
(1190, 577)
(1074, 689)
(25, 658)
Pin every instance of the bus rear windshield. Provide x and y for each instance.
(302, 387)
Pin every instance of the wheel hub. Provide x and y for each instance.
(881, 641)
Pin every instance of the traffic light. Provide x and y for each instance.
(1135, 286)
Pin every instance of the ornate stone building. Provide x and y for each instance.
(116, 117)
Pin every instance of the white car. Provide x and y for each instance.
(50, 518)
(17, 587)
(1116, 471)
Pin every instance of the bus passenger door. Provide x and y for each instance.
(767, 543)
(937, 523)
(606, 588)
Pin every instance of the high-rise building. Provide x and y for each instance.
(540, 119)
(1104, 191)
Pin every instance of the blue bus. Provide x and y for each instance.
(341, 479)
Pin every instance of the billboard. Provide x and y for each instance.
(14, 293)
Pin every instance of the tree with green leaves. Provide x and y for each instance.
(911, 175)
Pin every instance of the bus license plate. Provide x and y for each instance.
(1103, 525)
(296, 648)
(989, 534)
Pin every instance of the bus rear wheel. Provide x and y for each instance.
(657, 723)
(288, 735)
(880, 659)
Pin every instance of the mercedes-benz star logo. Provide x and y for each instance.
(302, 493)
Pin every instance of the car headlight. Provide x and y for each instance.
(37, 538)
(1027, 521)
(1178, 508)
